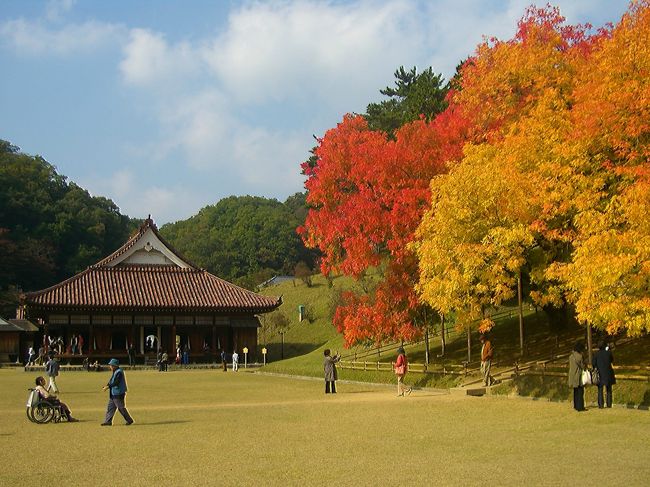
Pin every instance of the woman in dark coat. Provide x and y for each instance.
(329, 366)
(576, 366)
(603, 362)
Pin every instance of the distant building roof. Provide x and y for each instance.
(275, 280)
(17, 325)
(146, 273)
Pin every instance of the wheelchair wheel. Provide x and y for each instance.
(29, 414)
(42, 413)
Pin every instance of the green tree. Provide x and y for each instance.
(414, 95)
(49, 228)
(243, 238)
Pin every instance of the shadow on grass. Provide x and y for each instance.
(155, 423)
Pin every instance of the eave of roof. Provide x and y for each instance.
(150, 288)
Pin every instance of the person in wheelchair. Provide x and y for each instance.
(53, 400)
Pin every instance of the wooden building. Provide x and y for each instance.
(146, 294)
(16, 336)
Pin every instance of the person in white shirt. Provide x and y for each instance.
(235, 361)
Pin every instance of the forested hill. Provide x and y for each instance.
(50, 228)
(244, 239)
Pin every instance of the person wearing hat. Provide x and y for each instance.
(116, 395)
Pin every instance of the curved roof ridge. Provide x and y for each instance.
(148, 224)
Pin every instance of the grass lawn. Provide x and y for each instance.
(214, 428)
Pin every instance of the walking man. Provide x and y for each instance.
(235, 361)
(116, 395)
(486, 360)
(52, 370)
(131, 354)
(224, 364)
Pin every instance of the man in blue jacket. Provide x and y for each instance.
(117, 392)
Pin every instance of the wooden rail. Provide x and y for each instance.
(416, 368)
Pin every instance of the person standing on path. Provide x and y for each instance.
(576, 366)
(165, 360)
(224, 364)
(31, 357)
(603, 361)
(131, 354)
(52, 370)
(235, 361)
(401, 369)
(116, 395)
(186, 354)
(487, 352)
(329, 367)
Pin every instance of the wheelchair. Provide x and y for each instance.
(41, 410)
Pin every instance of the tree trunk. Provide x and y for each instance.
(426, 345)
(427, 351)
(442, 334)
(589, 345)
(469, 344)
(521, 315)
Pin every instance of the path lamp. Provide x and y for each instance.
(245, 357)
(264, 355)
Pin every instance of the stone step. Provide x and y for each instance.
(468, 391)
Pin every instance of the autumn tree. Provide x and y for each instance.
(499, 206)
(367, 194)
(609, 275)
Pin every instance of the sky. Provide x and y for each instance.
(168, 106)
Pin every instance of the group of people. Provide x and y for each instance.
(331, 375)
(54, 346)
(602, 363)
(116, 387)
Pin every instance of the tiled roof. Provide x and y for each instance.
(147, 287)
(17, 325)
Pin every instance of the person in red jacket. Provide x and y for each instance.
(401, 368)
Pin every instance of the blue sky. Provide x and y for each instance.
(168, 106)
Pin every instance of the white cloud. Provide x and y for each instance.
(138, 198)
(149, 59)
(35, 38)
(287, 50)
(269, 161)
(55, 9)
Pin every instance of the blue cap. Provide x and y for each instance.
(114, 362)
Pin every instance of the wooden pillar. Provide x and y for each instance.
(142, 339)
(91, 339)
(214, 339)
(173, 339)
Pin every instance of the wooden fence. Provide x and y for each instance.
(417, 368)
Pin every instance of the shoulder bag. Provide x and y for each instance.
(595, 376)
